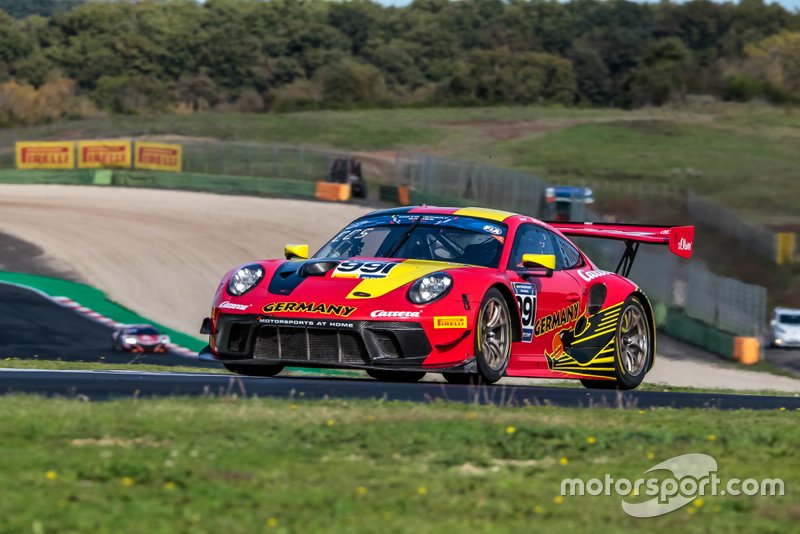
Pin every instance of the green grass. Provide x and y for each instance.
(357, 130)
(234, 465)
(58, 365)
(744, 171)
(743, 155)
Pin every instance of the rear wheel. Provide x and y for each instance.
(395, 376)
(254, 370)
(634, 349)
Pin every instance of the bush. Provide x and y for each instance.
(348, 82)
(742, 89)
(22, 104)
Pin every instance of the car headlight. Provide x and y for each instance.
(245, 279)
(429, 288)
(163, 339)
(130, 340)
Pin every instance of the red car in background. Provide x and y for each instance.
(139, 338)
(475, 294)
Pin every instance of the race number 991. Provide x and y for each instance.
(525, 303)
(364, 269)
(526, 300)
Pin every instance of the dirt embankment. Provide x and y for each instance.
(161, 253)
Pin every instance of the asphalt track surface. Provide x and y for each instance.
(31, 326)
(34, 327)
(786, 358)
(103, 385)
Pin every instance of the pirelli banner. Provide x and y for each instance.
(104, 154)
(45, 155)
(159, 157)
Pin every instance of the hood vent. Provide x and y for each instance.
(317, 267)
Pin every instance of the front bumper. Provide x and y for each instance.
(338, 343)
(144, 349)
(782, 342)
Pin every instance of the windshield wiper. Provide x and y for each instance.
(402, 241)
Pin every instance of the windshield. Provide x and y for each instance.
(793, 319)
(142, 331)
(423, 237)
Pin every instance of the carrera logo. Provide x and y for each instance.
(309, 307)
(450, 322)
(591, 275)
(231, 306)
(395, 314)
(684, 245)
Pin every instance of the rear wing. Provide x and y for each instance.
(679, 238)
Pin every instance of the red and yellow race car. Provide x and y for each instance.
(475, 294)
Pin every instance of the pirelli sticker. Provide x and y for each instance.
(104, 154)
(45, 155)
(309, 307)
(459, 321)
(158, 157)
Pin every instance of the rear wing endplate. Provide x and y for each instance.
(680, 239)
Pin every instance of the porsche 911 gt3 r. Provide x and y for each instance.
(139, 338)
(472, 293)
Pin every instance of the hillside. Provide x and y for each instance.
(744, 156)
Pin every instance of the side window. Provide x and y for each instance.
(569, 256)
(530, 239)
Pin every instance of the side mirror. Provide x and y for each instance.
(537, 263)
(296, 252)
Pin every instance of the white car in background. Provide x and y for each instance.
(785, 328)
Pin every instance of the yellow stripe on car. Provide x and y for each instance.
(485, 213)
(403, 273)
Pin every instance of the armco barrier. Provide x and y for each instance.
(680, 326)
(215, 183)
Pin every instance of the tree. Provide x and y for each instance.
(663, 74)
(775, 62)
(24, 8)
(350, 82)
(501, 75)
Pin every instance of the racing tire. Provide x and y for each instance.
(386, 375)
(492, 337)
(254, 370)
(633, 355)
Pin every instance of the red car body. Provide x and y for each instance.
(139, 339)
(356, 312)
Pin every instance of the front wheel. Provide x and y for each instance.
(395, 376)
(493, 337)
(254, 370)
(634, 349)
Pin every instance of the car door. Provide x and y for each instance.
(547, 304)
